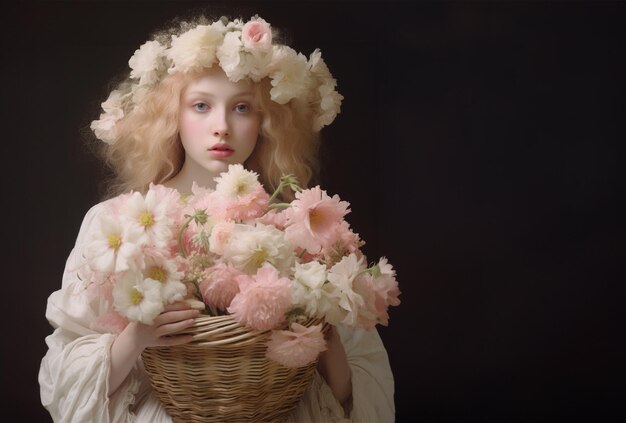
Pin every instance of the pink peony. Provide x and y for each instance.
(220, 286)
(245, 207)
(263, 300)
(313, 218)
(344, 242)
(297, 347)
(238, 195)
(274, 218)
(256, 34)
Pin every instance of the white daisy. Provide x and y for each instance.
(137, 298)
(150, 216)
(250, 247)
(165, 272)
(114, 246)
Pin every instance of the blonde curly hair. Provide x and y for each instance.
(140, 123)
(149, 149)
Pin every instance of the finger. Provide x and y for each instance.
(174, 327)
(174, 316)
(178, 305)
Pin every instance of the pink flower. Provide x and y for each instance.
(387, 291)
(297, 347)
(378, 293)
(238, 195)
(274, 218)
(220, 286)
(200, 199)
(245, 207)
(313, 218)
(256, 34)
(368, 313)
(343, 243)
(263, 300)
(220, 235)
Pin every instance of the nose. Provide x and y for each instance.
(220, 127)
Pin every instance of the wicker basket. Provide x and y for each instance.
(223, 375)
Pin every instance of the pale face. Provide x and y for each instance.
(218, 125)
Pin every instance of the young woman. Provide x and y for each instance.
(201, 97)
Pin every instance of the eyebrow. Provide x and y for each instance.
(200, 92)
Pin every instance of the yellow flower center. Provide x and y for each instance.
(315, 218)
(114, 241)
(136, 297)
(157, 273)
(146, 219)
(259, 257)
(242, 189)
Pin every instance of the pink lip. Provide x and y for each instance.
(221, 151)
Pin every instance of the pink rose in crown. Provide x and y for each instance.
(256, 34)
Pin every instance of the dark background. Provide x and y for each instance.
(480, 144)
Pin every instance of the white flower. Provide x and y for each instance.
(341, 277)
(114, 247)
(229, 56)
(238, 63)
(195, 49)
(104, 128)
(309, 292)
(289, 73)
(165, 272)
(150, 216)
(330, 99)
(252, 246)
(237, 182)
(137, 298)
(147, 62)
(330, 106)
(242, 51)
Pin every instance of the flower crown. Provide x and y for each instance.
(242, 50)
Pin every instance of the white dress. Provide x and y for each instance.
(74, 373)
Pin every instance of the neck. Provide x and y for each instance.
(184, 179)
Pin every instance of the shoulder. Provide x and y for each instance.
(97, 211)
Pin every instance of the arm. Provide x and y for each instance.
(84, 376)
(130, 343)
(333, 367)
(370, 380)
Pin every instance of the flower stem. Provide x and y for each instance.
(278, 206)
(183, 252)
(286, 181)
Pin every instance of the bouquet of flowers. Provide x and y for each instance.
(236, 250)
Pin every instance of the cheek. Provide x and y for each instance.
(251, 130)
(190, 127)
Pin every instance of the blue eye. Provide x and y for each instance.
(242, 108)
(201, 107)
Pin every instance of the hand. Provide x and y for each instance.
(129, 345)
(174, 318)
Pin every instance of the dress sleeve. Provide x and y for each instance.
(372, 384)
(74, 373)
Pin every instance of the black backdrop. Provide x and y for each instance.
(480, 144)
